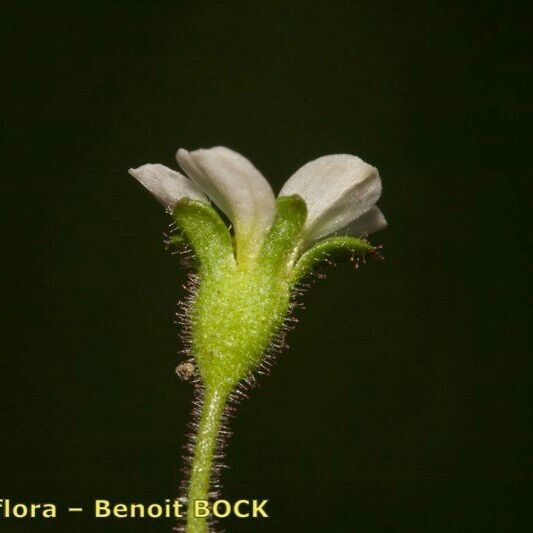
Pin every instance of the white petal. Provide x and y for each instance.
(167, 185)
(370, 222)
(237, 187)
(337, 190)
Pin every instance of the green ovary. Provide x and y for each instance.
(235, 316)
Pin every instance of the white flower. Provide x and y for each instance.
(340, 192)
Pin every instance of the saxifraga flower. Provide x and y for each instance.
(248, 271)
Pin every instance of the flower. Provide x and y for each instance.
(246, 281)
(340, 192)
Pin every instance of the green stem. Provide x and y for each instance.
(205, 448)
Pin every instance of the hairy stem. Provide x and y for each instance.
(204, 451)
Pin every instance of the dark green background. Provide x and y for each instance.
(402, 402)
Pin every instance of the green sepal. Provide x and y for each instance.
(338, 247)
(201, 227)
(282, 241)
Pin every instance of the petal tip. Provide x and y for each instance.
(140, 172)
(165, 184)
